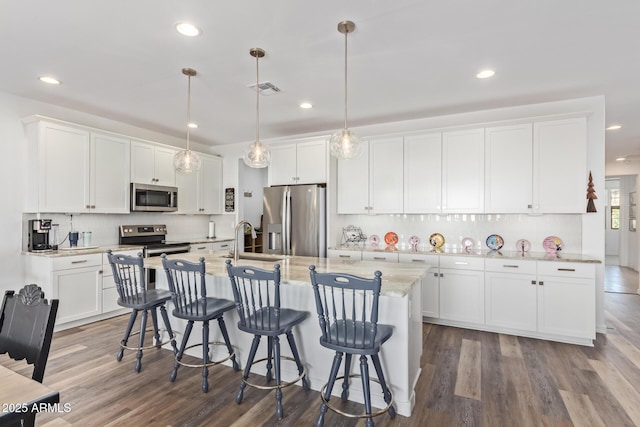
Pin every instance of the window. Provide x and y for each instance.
(614, 202)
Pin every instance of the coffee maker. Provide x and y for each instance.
(39, 235)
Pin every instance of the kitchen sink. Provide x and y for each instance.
(258, 257)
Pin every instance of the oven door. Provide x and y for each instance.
(157, 251)
(153, 198)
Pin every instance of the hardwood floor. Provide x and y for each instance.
(468, 378)
(620, 279)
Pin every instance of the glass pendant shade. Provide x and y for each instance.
(257, 155)
(186, 161)
(345, 144)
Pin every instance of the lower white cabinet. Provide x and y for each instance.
(76, 283)
(462, 295)
(211, 246)
(430, 282)
(344, 254)
(380, 256)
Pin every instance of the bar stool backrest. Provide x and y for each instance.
(347, 307)
(257, 296)
(187, 284)
(128, 274)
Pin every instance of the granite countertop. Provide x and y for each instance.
(508, 254)
(397, 279)
(84, 251)
(209, 240)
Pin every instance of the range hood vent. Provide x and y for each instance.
(265, 88)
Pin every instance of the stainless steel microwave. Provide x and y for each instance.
(153, 198)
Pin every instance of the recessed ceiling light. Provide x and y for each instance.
(621, 159)
(485, 74)
(306, 105)
(192, 125)
(187, 29)
(49, 80)
(614, 127)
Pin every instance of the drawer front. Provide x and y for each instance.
(432, 260)
(353, 255)
(380, 256)
(201, 247)
(462, 263)
(221, 246)
(566, 269)
(510, 266)
(77, 261)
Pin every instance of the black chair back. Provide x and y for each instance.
(347, 308)
(130, 278)
(187, 284)
(26, 327)
(257, 296)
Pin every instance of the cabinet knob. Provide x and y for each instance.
(529, 206)
(441, 275)
(533, 282)
(541, 283)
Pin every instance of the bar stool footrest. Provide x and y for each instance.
(146, 347)
(350, 415)
(202, 365)
(283, 384)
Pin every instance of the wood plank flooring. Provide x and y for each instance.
(469, 378)
(620, 279)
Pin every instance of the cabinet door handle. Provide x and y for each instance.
(566, 269)
(344, 256)
(441, 275)
(201, 247)
(418, 260)
(435, 274)
(224, 246)
(529, 206)
(541, 283)
(88, 206)
(379, 258)
(533, 282)
(510, 266)
(461, 263)
(79, 261)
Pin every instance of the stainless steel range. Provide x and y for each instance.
(152, 239)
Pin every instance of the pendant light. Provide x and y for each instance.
(186, 161)
(345, 144)
(257, 155)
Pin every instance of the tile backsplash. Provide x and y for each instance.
(455, 227)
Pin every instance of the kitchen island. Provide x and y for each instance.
(399, 306)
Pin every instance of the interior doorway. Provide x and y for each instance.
(612, 221)
(251, 182)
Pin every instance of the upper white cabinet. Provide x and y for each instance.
(110, 176)
(152, 164)
(201, 192)
(560, 166)
(509, 169)
(463, 171)
(373, 182)
(76, 170)
(423, 173)
(299, 163)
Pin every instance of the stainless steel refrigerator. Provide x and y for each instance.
(294, 220)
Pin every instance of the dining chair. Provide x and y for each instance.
(26, 330)
(191, 302)
(130, 280)
(347, 308)
(257, 298)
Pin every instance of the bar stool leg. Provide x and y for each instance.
(225, 335)
(269, 358)
(347, 371)
(247, 369)
(383, 383)
(205, 356)
(276, 357)
(156, 331)
(183, 345)
(337, 359)
(167, 324)
(296, 357)
(127, 333)
(366, 391)
(143, 327)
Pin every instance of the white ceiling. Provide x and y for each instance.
(407, 59)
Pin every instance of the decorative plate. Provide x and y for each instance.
(552, 244)
(374, 240)
(468, 243)
(523, 245)
(495, 242)
(414, 240)
(391, 238)
(436, 240)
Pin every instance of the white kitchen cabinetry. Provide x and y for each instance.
(344, 254)
(430, 282)
(423, 173)
(211, 246)
(299, 163)
(560, 165)
(373, 182)
(462, 289)
(201, 192)
(152, 164)
(380, 256)
(110, 174)
(511, 294)
(509, 169)
(566, 299)
(463, 171)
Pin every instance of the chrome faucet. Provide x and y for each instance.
(241, 224)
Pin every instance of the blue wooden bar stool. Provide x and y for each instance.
(257, 296)
(347, 309)
(191, 303)
(131, 284)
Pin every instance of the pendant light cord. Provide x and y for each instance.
(345, 78)
(188, 110)
(257, 101)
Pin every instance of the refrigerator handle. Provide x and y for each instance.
(287, 223)
(284, 218)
